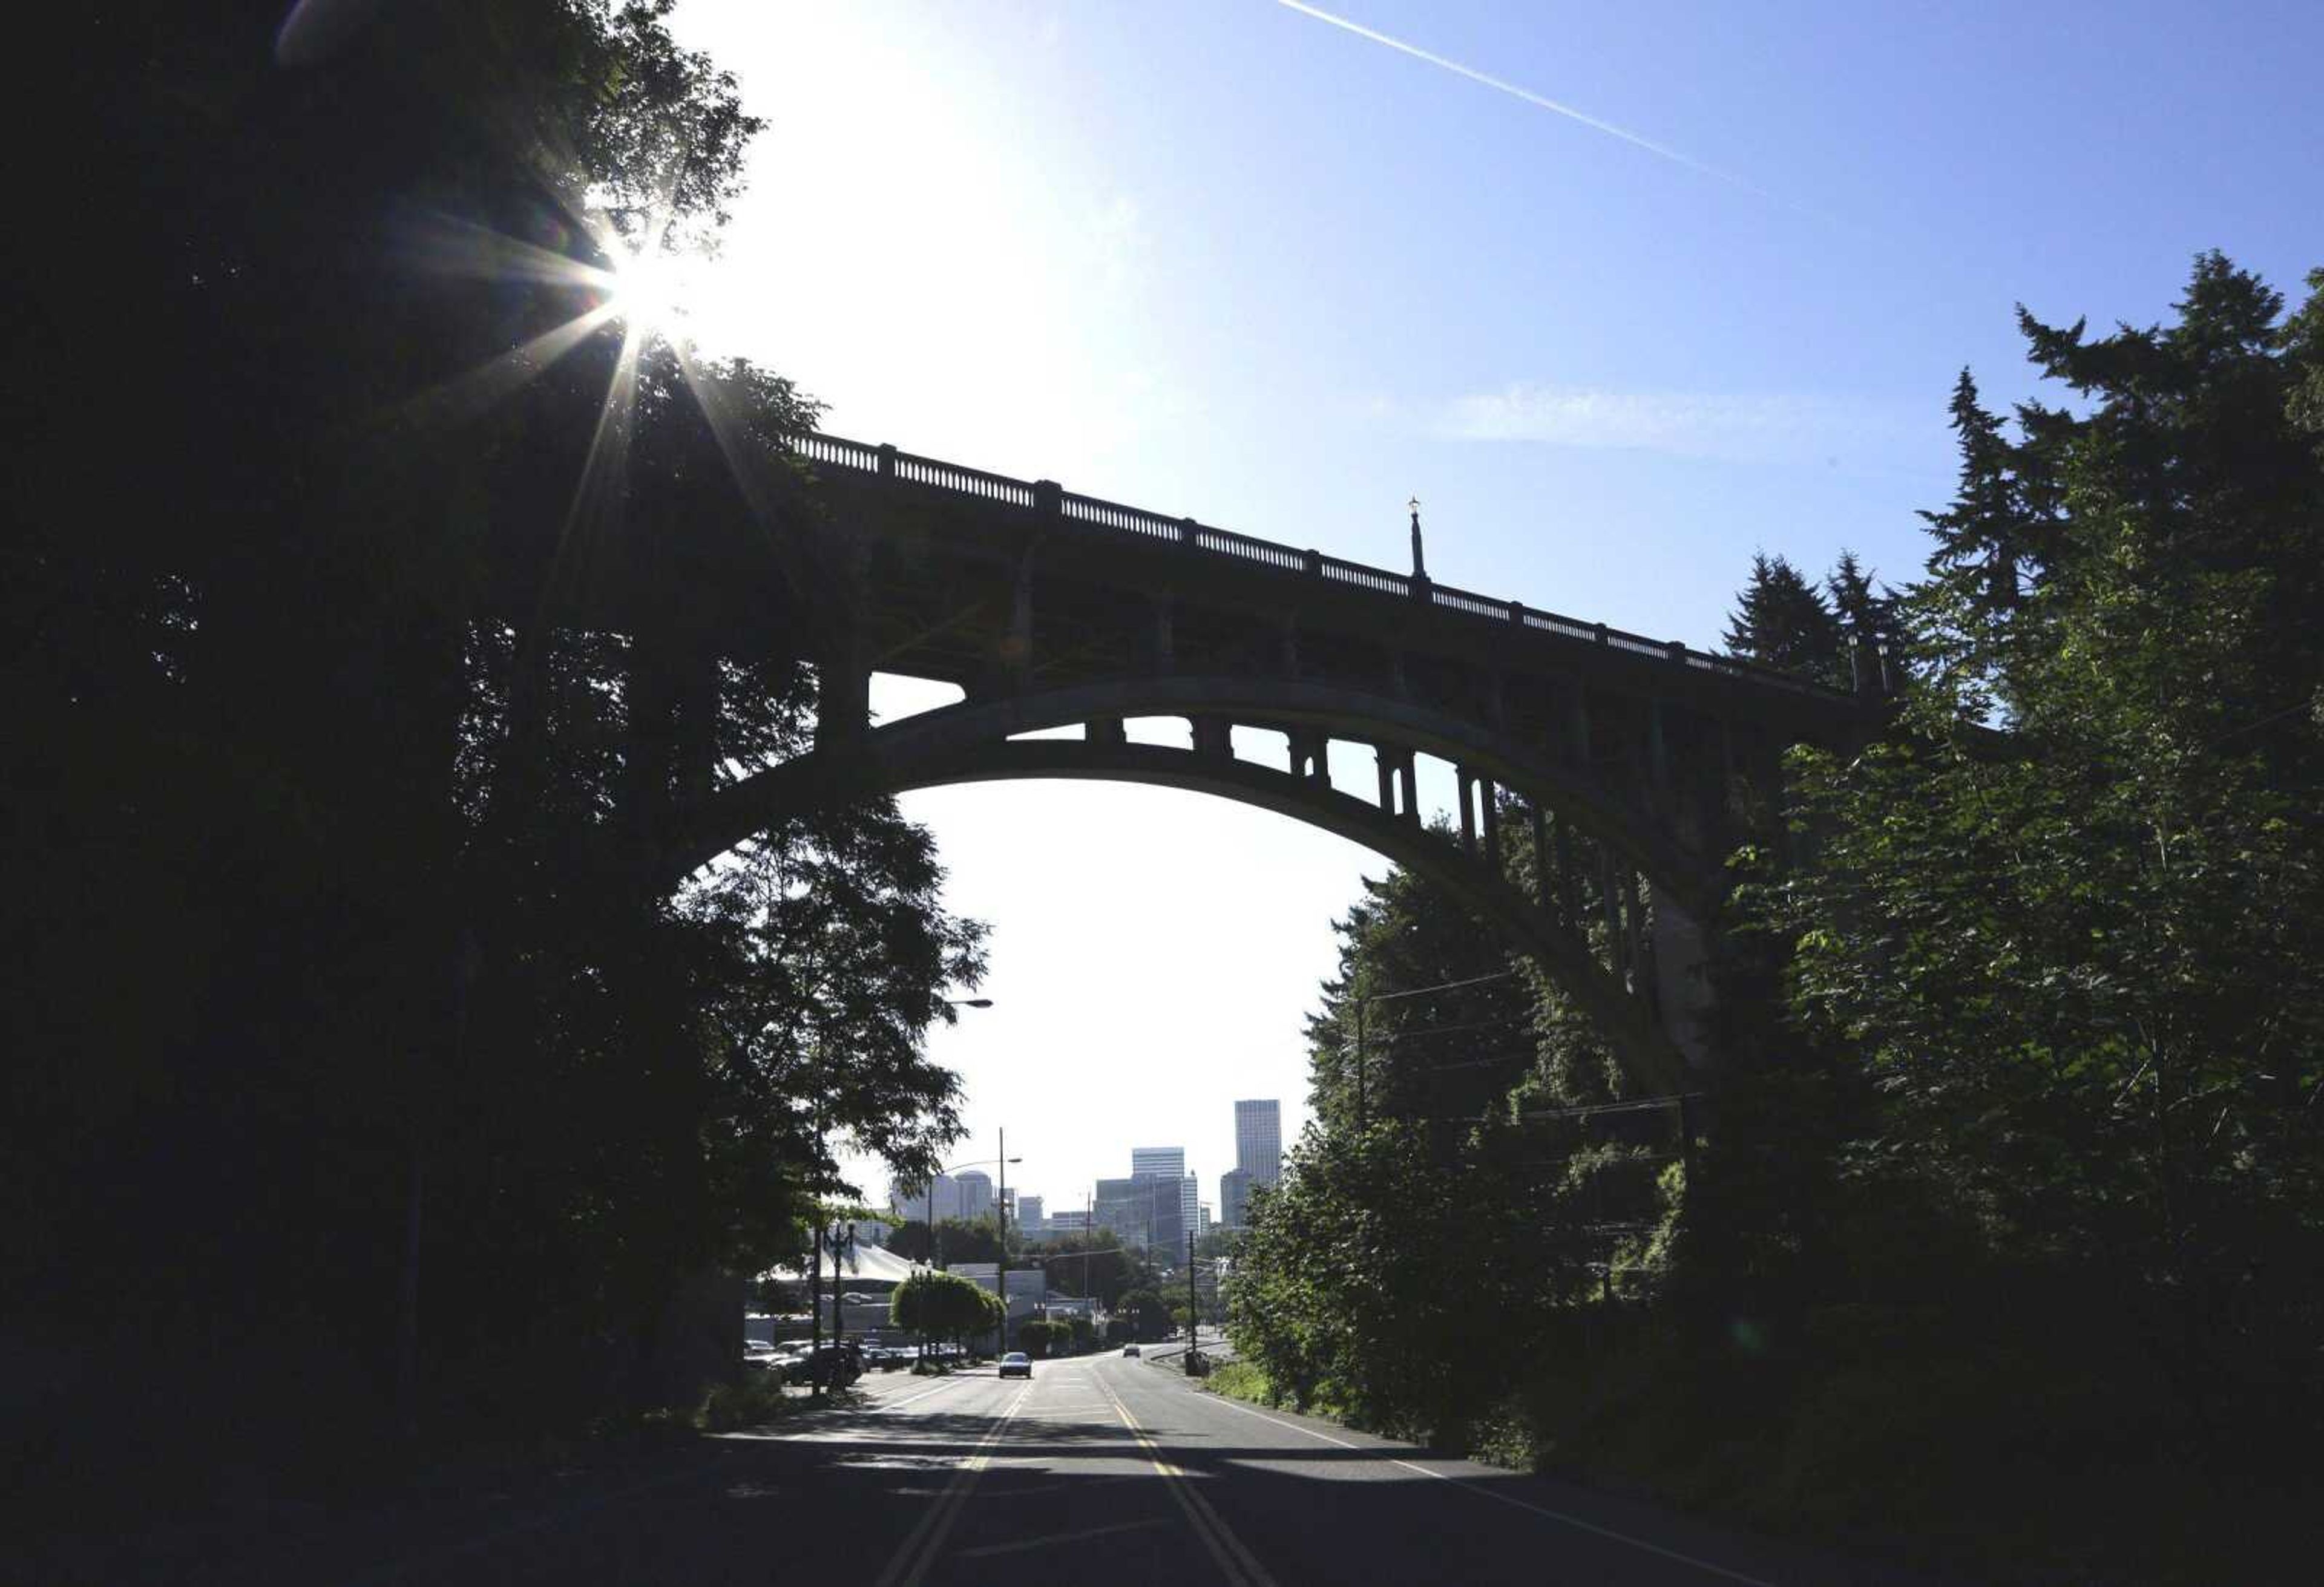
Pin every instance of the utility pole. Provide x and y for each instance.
(815, 1303)
(1193, 1304)
(1001, 1216)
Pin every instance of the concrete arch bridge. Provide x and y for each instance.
(1615, 757)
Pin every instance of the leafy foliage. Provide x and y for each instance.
(2005, 1220)
(365, 676)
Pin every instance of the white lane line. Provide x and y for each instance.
(889, 1405)
(1474, 1487)
(1020, 1546)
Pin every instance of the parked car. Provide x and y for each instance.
(1016, 1364)
(760, 1357)
(833, 1366)
(1129, 1349)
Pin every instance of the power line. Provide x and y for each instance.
(1440, 986)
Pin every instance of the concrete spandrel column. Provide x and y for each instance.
(1682, 985)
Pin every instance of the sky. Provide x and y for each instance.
(1623, 294)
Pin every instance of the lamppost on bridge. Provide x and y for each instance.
(1419, 562)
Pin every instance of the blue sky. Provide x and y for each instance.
(1229, 260)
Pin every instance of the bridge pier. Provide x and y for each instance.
(1681, 984)
(843, 694)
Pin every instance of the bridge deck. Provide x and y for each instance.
(1094, 525)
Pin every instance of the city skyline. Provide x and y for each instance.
(1257, 1140)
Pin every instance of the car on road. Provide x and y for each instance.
(1016, 1364)
(1129, 1349)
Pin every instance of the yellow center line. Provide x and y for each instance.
(1226, 1550)
(921, 1544)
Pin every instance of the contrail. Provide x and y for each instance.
(1530, 97)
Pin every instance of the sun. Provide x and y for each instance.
(646, 291)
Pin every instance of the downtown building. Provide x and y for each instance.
(1234, 1199)
(1259, 1140)
(1145, 1210)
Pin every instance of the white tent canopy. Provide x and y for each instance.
(866, 1264)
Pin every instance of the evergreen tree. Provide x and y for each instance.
(1782, 620)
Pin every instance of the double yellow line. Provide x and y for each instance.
(923, 1542)
(1226, 1550)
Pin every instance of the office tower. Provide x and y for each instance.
(913, 1205)
(1143, 1210)
(972, 1197)
(1029, 1213)
(1259, 1140)
(1169, 1161)
(1234, 1199)
(1122, 1207)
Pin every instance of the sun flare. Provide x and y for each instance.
(646, 292)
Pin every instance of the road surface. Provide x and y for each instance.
(1101, 1469)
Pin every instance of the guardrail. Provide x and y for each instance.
(1206, 539)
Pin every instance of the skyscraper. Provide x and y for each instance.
(1170, 1161)
(973, 1191)
(1234, 1198)
(916, 1206)
(1028, 1214)
(1259, 1140)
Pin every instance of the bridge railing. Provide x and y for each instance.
(887, 463)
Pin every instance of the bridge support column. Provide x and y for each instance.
(1609, 905)
(842, 702)
(1309, 755)
(1386, 770)
(1569, 876)
(1634, 913)
(1105, 730)
(1214, 736)
(1409, 780)
(1682, 986)
(1467, 809)
(1545, 891)
(1490, 811)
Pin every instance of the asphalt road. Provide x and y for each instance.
(1099, 1470)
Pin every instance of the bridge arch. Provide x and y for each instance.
(978, 741)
